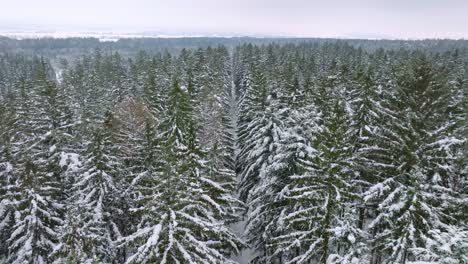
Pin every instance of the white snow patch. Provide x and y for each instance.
(71, 160)
(52, 148)
(6, 167)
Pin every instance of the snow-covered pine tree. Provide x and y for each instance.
(209, 109)
(259, 132)
(180, 216)
(322, 219)
(72, 246)
(7, 115)
(252, 105)
(153, 93)
(229, 118)
(36, 215)
(221, 177)
(265, 203)
(137, 73)
(276, 143)
(39, 177)
(416, 206)
(16, 113)
(133, 127)
(363, 107)
(91, 228)
(291, 93)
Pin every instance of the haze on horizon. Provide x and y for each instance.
(404, 19)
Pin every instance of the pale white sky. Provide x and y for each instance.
(306, 18)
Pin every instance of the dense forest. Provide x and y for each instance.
(233, 151)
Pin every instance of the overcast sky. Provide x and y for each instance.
(305, 18)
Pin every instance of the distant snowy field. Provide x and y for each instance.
(102, 36)
(108, 34)
(111, 34)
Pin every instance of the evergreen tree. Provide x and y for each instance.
(95, 190)
(38, 211)
(6, 176)
(416, 208)
(250, 134)
(322, 218)
(180, 220)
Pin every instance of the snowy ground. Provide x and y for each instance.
(247, 253)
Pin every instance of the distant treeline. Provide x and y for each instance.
(46, 45)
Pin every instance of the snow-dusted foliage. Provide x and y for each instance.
(413, 196)
(88, 229)
(297, 151)
(182, 204)
(35, 190)
(322, 213)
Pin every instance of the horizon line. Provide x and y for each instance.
(110, 36)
